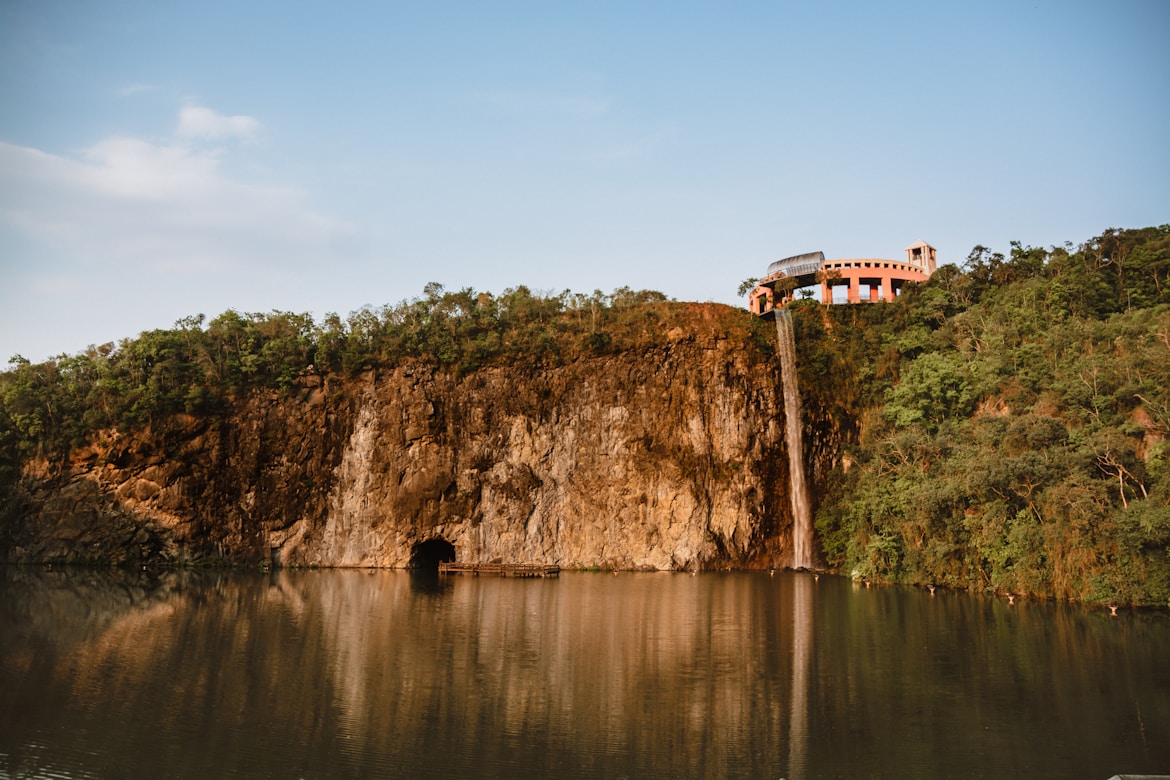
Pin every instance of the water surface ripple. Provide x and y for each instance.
(387, 674)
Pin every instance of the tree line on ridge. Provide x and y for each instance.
(1004, 423)
(198, 367)
(1012, 415)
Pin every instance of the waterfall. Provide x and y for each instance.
(798, 493)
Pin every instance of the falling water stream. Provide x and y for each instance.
(801, 549)
(798, 492)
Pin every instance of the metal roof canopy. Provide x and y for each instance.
(798, 265)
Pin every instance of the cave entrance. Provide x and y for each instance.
(428, 555)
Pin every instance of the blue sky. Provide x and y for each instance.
(159, 160)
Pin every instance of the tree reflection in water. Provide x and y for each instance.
(364, 674)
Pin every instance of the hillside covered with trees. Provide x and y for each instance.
(198, 367)
(1012, 416)
(1003, 424)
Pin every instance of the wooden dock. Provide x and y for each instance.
(501, 569)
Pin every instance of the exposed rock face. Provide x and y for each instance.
(667, 457)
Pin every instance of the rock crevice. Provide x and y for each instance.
(661, 458)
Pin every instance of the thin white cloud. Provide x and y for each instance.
(130, 90)
(636, 147)
(130, 203)
(545, 102)
(198, 122)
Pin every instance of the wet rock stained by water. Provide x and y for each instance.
(667, 457)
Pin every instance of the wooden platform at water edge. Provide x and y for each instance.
(502, 569)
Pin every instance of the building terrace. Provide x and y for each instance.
(847, 280)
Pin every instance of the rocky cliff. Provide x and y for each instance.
(669, 456)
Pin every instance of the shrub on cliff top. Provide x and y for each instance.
(52, 407)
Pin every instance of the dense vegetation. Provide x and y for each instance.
(48, 409)
(1004, 422)
(1013, 414)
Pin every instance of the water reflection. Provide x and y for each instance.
(802, 640)
(357, 674)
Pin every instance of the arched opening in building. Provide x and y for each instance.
(427, 555)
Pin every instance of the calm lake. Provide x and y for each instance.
(388, 674)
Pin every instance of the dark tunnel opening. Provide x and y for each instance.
(426, 556)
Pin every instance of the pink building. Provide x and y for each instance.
(853, 280)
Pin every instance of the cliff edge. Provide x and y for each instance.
(669, 455)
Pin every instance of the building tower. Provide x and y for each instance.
(922, 255)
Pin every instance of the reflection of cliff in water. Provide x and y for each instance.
(352, 673)
(401, 672)
(69, 605)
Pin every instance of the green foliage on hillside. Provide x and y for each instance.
(1013, 420)
(197, 367)
(1004, 424)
